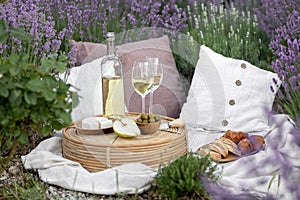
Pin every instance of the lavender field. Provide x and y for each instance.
(39, 33)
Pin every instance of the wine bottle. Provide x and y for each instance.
(112, 81)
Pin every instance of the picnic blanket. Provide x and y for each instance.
(255, 174)
(272, 172)
(54, 169)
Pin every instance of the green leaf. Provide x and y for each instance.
(4, 68)
(4, 122)
(19, 112)
(20, 34)
(30, 98)
(15, 97)
(3, 30)
(60, 66)
(52, 56)
(63, 86)
(10, 85)
(49, 94)
(63, 58)
(46, 130)
(16, 133)
(14, 59)
(23, 138)
(14, 70)
(25, 58)
(57, 124)
(75, 99)
(19, 85)
(35, 116)
(4, 92)
(3, 36)
(59, 104)
(35, 85)
(46, 65)
(65, 118)
(50, 81)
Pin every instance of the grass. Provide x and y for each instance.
(27, 188)
(27, 185)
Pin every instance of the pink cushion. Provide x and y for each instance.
(88, 51)
(168, 98)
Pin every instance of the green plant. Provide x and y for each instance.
(183, 177)
(31, 97)
(27, 188)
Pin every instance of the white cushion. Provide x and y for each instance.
(86, 80)
(228, 93)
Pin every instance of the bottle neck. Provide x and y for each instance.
(111, 49)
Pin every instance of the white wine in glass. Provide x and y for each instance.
(141, 86)
(157, 70)
(142, 79)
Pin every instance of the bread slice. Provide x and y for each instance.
(205, 151)
(231, 146)
(216, 148)
(222, 145)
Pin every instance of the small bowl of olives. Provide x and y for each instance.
(148, 123)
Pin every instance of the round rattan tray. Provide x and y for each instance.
(102, 151)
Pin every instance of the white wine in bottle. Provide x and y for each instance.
(112, 81)
(112, 96)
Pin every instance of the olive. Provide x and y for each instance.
(148, 118)
(151, 120)
(144, 116)
(151, 115)
(157, 118)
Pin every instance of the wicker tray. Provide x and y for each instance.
(102, 151)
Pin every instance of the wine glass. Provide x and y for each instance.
(157, 70)
(142, 79)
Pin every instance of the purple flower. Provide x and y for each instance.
(286, 45)
(31, 17)
(72, 55)
(274, 14)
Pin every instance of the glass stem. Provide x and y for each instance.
(151, 102)
(143, 104)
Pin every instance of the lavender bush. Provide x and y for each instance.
(274, 13)
(28, 15)
(90, 20)
(286, 47)
(53, 23)
(235, 27)
(279, 19)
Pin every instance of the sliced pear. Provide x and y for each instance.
(126, 128)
